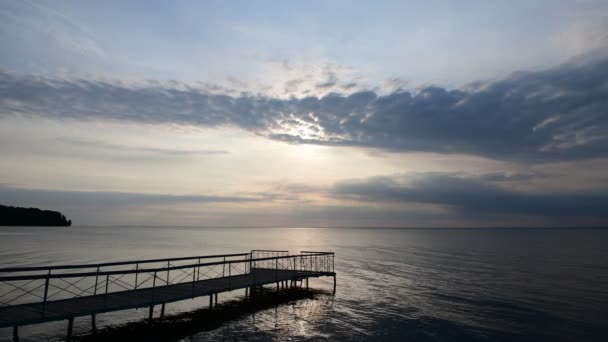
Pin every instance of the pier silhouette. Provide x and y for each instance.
(30, 295)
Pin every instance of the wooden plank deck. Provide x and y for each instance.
(23, 314)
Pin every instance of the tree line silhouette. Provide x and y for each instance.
(15, 216)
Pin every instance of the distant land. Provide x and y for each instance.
(15, 216)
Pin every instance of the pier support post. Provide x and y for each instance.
(246, 291)
(216, 300)
(70, 329)
(151, 313)
(334, 284)
(162, 311)
(307, 283)
(93, 323)
(211, 301)
(16, 333)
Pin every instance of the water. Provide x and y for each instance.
(393, 284)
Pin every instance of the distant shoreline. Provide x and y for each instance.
(31, 217)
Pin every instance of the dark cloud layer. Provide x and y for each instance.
(474, 196)
(557, 114)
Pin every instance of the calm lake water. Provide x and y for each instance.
(393, 284)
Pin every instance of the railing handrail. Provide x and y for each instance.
(151, 270)
(116, 263)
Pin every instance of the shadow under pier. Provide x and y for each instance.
(179, 326)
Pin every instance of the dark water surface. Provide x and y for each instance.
(393, 284)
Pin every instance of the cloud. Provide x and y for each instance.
(35, 37)
(474, 196)
(511, 176)
(23, 196)
(414, 199)
(147, 150)
(551, 115)
(100, 207)
(109, 207)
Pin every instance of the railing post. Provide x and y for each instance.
(224, 268)
(96, 278)
(251, 269)
(105, 296)
(251, 262)
(136, 267)
(46, 291)
(198, 269)
(153, 287)
(168, 263)
(333, 265)
(193, 279)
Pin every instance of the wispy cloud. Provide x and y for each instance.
(42, 38)
(104, 145)
(23, 196)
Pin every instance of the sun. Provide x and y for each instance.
(310, 151)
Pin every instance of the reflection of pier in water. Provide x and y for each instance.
(30, 295)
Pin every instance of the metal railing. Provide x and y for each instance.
(41, 284)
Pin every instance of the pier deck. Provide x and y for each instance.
(30, 295)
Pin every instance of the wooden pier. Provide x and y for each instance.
(30, 295)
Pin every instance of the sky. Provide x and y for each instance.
(306, 114)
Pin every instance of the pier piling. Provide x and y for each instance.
(70, 329)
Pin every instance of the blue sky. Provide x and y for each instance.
(452, 43)
(328, 113)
